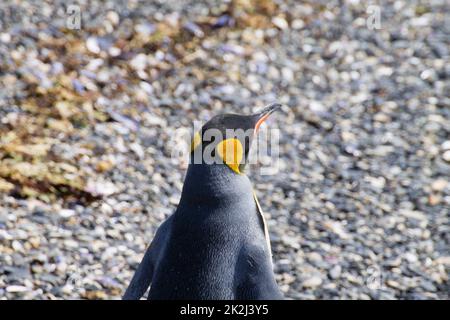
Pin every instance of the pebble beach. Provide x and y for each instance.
(90, 96)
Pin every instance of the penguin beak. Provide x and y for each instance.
(262, 116)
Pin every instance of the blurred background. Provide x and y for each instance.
(91, 91)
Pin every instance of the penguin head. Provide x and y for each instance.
(227, 138)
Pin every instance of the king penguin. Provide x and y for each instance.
(216, 244)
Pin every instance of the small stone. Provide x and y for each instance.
(92, 45)
(412, 214)
(5, 37)
(114, 51)
(194, 29)
(145, 29)
(317, 107)
(66, 213)
(288, 74)
(104, 165)
(394, 262)
(67, 289)
(446, 156)
(72, 244)
(312, 282)
(94, 295)
(314, 257)
(17, 246)
(377, 182)
(146, 87)
(428, 286)
(393, 284)
(382, 117)
(288, 279)
(297, 24)
(16, 289)
(439, 185)
(335, 272)
(410, 257)
(223, 20)
(37, 268)
(139, 62)
(100, 188)
(35, 242)
(434, 200)
(443, 260)
(337, 228)
(138, 150)
(113, 17)
(5, 186)
(428, 75)
(445, 145)
(280, 23)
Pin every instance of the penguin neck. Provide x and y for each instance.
(214, 183)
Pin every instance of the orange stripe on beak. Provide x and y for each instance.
(263, 115)
(260, 121)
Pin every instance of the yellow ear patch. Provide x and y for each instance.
(231, 152)
(196, 141)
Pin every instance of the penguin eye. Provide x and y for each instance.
(246, 145)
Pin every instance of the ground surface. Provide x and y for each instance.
(360, 206)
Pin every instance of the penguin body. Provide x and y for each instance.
(214, 246)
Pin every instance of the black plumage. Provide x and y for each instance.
(215, 245)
